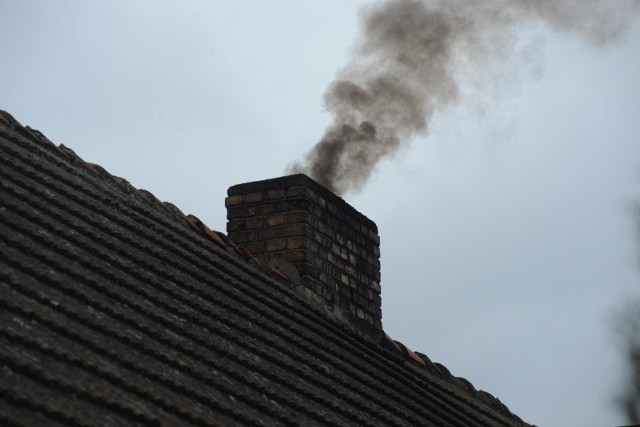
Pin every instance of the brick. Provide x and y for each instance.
(297, 216)
(352, 308)
(292, 230)
(292, 205)
(275, 194)
(309, 270)
(274, 220)
(350, 270)
(267, 234)
(243, 237)
(327, 268)
(293, 256)
(237, 212)
(233, 201)
(376, 286)
(318, 262)
(324, 278)
(276, 245)
(235, 225)
(296, 191)
(361, 313)
(346, 291)
(254, 197)
(265, 209)
(330, 257)
(296, 243)
(253, 223)
(328, 230)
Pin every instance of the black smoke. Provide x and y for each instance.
(406, 66)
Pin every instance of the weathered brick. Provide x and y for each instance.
(235, 225)
(375, 286)
(296, 243)
(275, 194)
(292, 205)
(233, 201)
(254, 197)
(276, 245)
(274, 220)
(265, 209)
(243, 237)
(297, 216)
(267, 234)
(253, 223)
(292, 230)
(335, 249)
(296, 191)
(352, 308)
(236, 212)
(318, 262)
(293, 256)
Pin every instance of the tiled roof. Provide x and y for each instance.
(117, 309)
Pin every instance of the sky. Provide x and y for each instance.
(507, 234)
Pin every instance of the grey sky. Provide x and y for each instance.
(507, 240)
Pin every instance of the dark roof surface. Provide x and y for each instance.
(117, 309)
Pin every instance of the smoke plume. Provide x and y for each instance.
(407, 63)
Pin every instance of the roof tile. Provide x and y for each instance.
(116, 309)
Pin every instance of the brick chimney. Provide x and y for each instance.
(329, 249)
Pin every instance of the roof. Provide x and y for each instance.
(117, 309)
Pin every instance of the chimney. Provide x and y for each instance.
(326, 247)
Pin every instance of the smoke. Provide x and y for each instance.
(407, 66)
(628, 325)
(628, 329)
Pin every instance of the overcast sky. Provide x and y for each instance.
(507, 238)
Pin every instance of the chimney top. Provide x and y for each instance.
(294, 222)
(303, 181)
